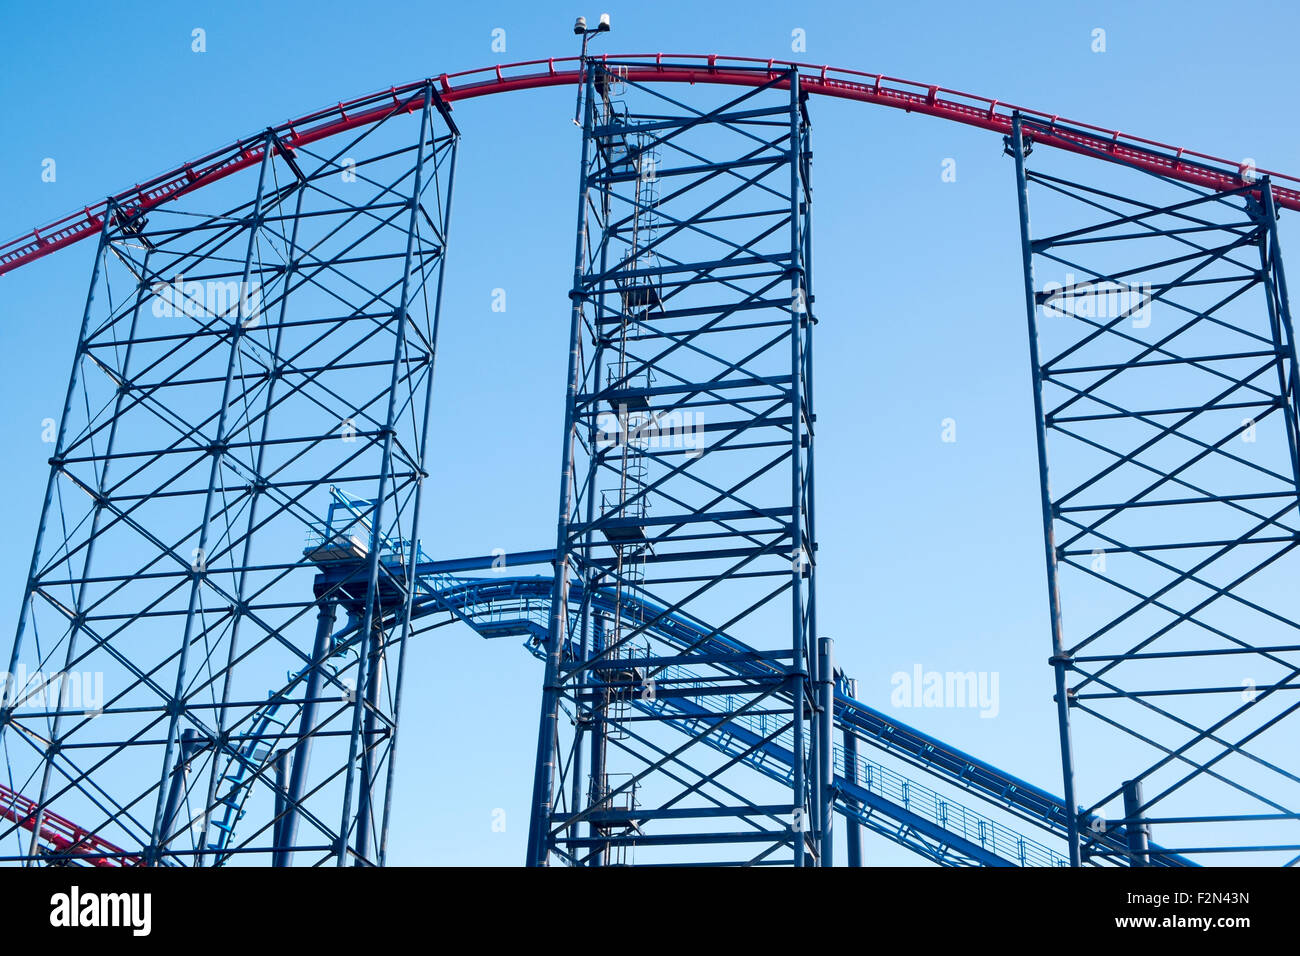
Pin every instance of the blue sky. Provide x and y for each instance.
(930, 551)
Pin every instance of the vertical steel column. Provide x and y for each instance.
(236, 332)
(1059, 661)
(600, 697)
(281, 764)
(190, 744)
(698, 282)
(374, 686)
(544, 769)
(1136, 830)
(288, 830)
(97, 515)
(259, 489)
(417, 507)
(825, 739)
(806, 504)
(385, 471)
(1279, 311)
(590, 683)
(853, 827)
(799, 668)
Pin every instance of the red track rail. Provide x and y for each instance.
(63, 835)
(1184, 165)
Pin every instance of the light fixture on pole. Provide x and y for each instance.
(580, 28)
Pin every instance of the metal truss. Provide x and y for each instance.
(876, 89)
(687, 487)
(1164, 369)
(208, 664)
(867, 794)
(235, 374)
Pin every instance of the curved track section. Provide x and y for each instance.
(876, 797)
(1177, 163)
(912, 815)
(898, 808)
(66, 843)
(890, 804)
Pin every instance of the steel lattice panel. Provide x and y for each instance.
(1167, 375)
(232, 371)
(688, 496)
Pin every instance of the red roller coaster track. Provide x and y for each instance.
(64, 838)
(1176, 163)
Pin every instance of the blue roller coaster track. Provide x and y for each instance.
(871, 794)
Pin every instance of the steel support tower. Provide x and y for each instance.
(686, 489)
(1164, 371)
(209, 659)
(235, 376)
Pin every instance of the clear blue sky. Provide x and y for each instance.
(930, 551)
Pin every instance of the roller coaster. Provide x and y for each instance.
(245, 442)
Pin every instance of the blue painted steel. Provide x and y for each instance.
(503, 606)
(1164, 364)
(901, 810)
(188, 455)
(854, 835)
(1134, 824)
(315, 683)
(1059, 661)
(14, 694)
(230, 369)
(691, 315)
(485, 603)
(520, 606)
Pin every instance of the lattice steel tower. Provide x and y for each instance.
(237, 376)
(686, 491)
(227, 545)
(1164, 370)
